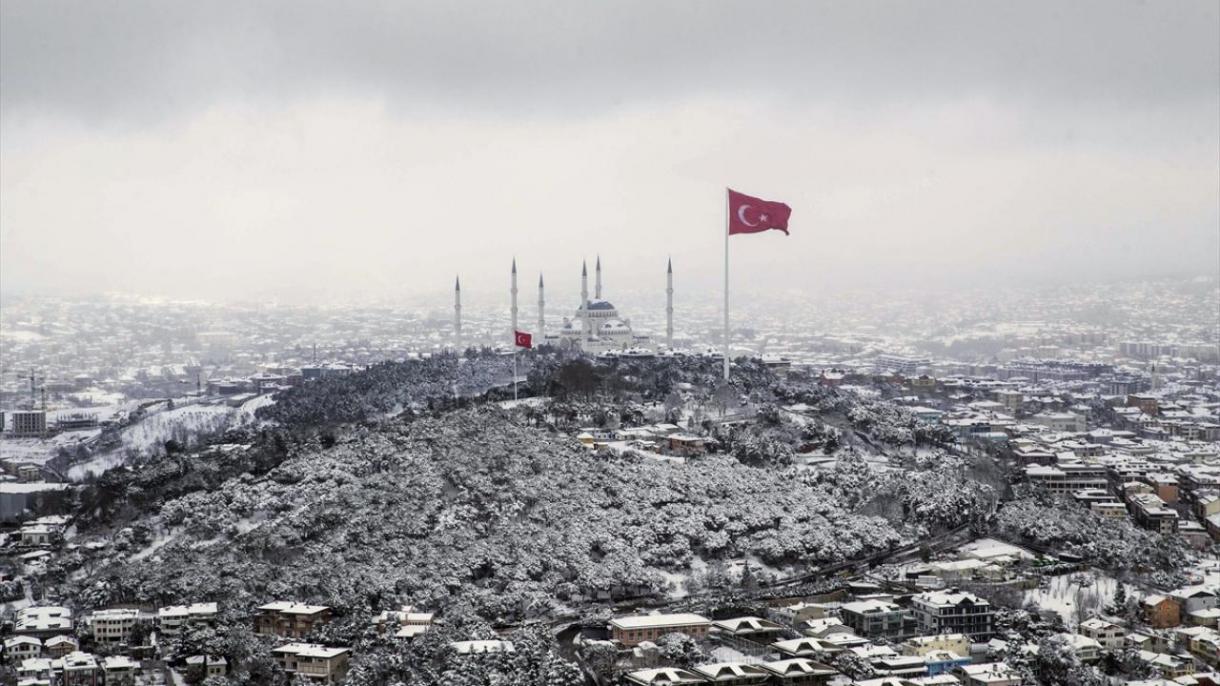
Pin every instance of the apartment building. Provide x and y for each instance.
(953, 611)
(293, 620)
(314, 662)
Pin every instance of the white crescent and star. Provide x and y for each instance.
(741, 216)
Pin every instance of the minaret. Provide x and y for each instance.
(513, 333)
(597, 287)
(584, 298)
(457, 313)
(669, 305)
(541, 309)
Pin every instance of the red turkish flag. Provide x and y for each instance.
(523, 339)
(753, 215)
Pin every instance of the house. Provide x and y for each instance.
(797, 613)
(1194, 598)
(988, 674)
(43, 622)
(958, 644)
(211, 665)
(36, 670)
(799, 672)
(806, 647)
(732, 674)
(314, 662)
(944, 661)
(631, 630)
(406, 622)
(482, 647)
(173, 619)
(687, 445)
(120, 670)
(1084, 648)
(873, 618)
(905, 666)
(668, 676)
(821, 628)
(1108, 634)
(39, 535)
(1169, 666)
(753, 630)
(1205, 646)
(294, 620)
(953, 611)
(1161, 612)
(58, 646)
(19, 648)
(80, 669)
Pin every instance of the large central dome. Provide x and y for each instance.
(599, 306)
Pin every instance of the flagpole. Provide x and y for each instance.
(514, 365)
(726, 284)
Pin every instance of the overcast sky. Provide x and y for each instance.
(328, 151)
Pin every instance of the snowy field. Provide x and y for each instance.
(183, 424)
(1073, 600)
(39, 450)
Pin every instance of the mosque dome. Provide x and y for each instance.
(599, 306)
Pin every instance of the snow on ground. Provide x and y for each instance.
(184, 423)
(153, 547)
(39, 450)
(677, 584)
(1064, 593)
(621, 447)
(990, 548)
(538, 401)
(726, 654)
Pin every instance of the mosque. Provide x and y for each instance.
(595, 326)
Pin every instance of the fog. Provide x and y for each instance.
(325, 152)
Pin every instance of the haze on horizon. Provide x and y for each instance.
(317, 151)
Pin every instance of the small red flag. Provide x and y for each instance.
(523, 339)
(752, 215)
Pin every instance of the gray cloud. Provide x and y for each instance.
(148, 59)
(237, 148)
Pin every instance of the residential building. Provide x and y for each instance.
(293, 620)
(44, 621)
(752, 630)
(666, 676)
(799, 672)
(953, 611)
(1108, 634)
(1161, 612)
(1150, 512)
(80, 669)
(172, 620)
(114, 626)
(58, 646)
(988, 674)
(958, 644)
(732, 674)
(315, 662)
(120, 670)
(873, 618)
(212, 665)
(18, 648)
